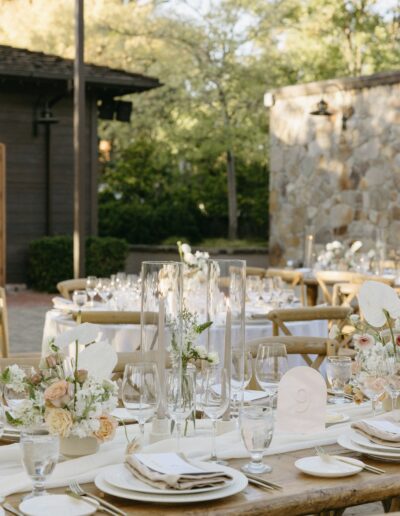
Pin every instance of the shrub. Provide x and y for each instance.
(50, 259)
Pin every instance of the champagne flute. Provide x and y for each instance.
(271, 365)
(256, 428)
(338, 372)
(91, 282)
(39, 450)
(141, 391)
(215, 400)
(180, 396)
(241, 371)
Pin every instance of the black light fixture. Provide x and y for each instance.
(106, 109)
(322, 109)
(123, 111)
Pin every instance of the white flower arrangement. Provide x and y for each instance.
(197, 260)
(66, 399)
(337, 255)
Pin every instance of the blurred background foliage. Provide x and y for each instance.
(165, 174)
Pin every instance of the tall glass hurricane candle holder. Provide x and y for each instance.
(160, 320)
(226, 309)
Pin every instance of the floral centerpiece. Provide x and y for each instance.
(68, 400)
(337, 256)
(375, 336)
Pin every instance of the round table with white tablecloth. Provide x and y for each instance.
(126, 337)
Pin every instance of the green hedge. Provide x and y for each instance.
(50, 259)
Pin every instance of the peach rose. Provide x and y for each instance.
(57, 393)
(59, 421)
(108, 426)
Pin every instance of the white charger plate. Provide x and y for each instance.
(364, 441)
(61, 505)
(346, 441)
(119, 476)
(238, 484)
(318, 467)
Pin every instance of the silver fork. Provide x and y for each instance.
(76, 488)
(12, 509)
(325, 456)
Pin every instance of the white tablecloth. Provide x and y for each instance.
(126, 337)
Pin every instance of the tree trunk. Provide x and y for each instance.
(232, 196)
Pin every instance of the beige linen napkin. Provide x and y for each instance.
(383, 429)
(176, 481)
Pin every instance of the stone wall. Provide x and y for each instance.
(341, 180)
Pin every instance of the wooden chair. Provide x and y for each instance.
(68, 286)
(327, 279)
(4, 339)
(304, 346)
(331, 314)
(344, 294)
(256, 271)
(114, 317)
(290, 277)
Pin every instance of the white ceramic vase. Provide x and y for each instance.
(78, 446)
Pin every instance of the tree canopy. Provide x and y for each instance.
(202, 139)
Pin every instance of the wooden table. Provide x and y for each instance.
(301, 494)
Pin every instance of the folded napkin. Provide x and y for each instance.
(60, 303)
(173, 471)
(383, 429)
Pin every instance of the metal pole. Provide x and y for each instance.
(79, 144)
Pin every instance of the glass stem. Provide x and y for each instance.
(178, 436)
(214, 441)
(38, 486)
(373, 401)
(256, 460)
(394, 400)
(141, 426)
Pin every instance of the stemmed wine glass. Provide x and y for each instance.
(271, 365)
(393, 379)
(141, 391)
(215, 400)
(256, 426)
(91, 282)
(79, 297)
(338, 371)
(103, 288)
(180, 397)
(241, 371)
(372, 381)
(40, 451)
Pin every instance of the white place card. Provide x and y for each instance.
(302, 397)
(170, 464)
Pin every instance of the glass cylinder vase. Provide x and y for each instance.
(226, 298)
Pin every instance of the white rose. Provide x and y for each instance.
(189, 258)
(186, 249)
(213, 358)
(201, 351)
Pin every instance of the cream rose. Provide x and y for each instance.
(59, 421)
(108, 426)
(56, 390)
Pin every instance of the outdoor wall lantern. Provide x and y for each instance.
(322, 110)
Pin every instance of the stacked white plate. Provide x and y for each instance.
(117, 480)
(354, 441)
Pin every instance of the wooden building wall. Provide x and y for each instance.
(26, 183)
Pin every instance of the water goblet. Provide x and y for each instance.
(141, 391)
(79, 297)
(39, 450)
(91, 282)
(256, 428)
(180, 397)
(215, 400)
(241, 371)
(338, 371)
(271, 365)
(372, 382)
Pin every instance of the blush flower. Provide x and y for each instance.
(108, 426)
(363, 342)
(57, 393)
(59, 421)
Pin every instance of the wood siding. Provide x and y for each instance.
(26, 173)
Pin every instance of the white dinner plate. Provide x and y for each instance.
(317, 467)
(119, 476)
(61, 505)
(364, 441)
(346, 440)
(238, 484)
(334, 418)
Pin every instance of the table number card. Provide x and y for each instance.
(302, 398)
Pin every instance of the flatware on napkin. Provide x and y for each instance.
(384, 429)
(173, 471)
